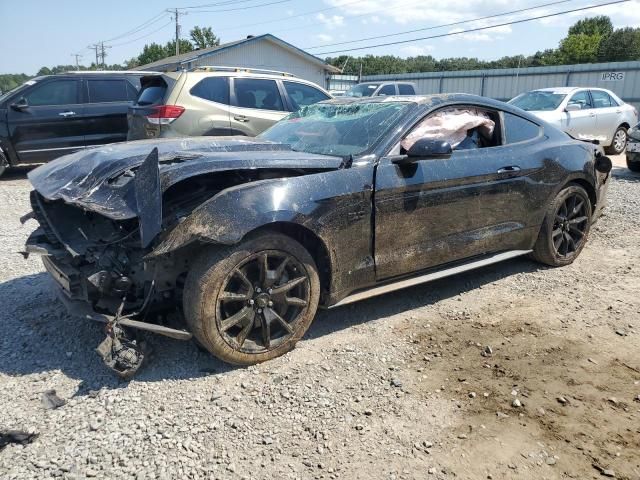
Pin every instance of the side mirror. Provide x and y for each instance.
(425, 149)
(573, 107)
(20, 105)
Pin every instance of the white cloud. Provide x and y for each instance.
(323, 37)
(416, 50)
(331, 21)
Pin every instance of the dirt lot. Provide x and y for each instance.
(511, 372)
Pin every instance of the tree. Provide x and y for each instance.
(580, 48)
(622, 45)
(203, 37)
(600, 25)
(151, 53)
(170, 47)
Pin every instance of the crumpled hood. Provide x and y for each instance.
(97, 178)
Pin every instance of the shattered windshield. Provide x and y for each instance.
(330, 129)
(362, 90)
(538, 101)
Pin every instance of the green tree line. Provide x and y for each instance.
(590, 40)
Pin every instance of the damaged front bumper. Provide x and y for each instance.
(77, 292)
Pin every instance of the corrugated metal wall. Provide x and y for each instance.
(265, 54)
(504, 84)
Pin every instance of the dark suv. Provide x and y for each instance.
(53, 115)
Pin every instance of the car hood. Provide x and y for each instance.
(99, 179)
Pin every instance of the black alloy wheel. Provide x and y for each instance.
(262, 301)
(570, 225)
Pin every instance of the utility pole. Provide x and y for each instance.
(78, 56)
(95, 47)
(102, 53)
(176, 16)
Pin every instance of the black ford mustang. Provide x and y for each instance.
(246, 237)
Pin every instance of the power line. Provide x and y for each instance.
(461, 22)
(144, 36)
(217, 4)
(474, 29)
(139, 28)
(242, 8)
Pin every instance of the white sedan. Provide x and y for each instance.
(584, 113)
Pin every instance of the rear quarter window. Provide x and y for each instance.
(518, 129)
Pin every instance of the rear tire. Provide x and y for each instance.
(565, 228)
(4, 163)
(252, 302)
(634, 166)
(619, 142)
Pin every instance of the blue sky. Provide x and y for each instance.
(45, 32)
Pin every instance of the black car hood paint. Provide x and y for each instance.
(96, 178)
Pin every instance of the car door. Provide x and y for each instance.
(46, 122)
(256, 104)
(608, 115)
(105, 113)
(436, 211)
(581, 123)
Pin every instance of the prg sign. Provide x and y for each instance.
(612, 77)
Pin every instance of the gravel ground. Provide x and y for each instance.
(513, 371)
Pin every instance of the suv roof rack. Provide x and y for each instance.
(84, 72)
(213, 68)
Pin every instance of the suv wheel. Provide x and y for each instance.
(619, 142)
(633, 165)
(252, 302)
(3, 163)
(565, 228)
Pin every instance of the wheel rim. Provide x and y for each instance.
(569, 226)
(262, 301)
(619, 140)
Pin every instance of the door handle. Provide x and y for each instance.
(509, 169)
(66, 114)
(240, 118)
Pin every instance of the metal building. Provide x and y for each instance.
(622, 78)
(264, 51)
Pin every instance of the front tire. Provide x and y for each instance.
(565, 228)
(252, 302)
(619, 142)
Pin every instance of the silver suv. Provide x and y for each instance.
(217, 101)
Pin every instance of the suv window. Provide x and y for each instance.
(56, 92)
(255, 93)
(518, 129)
(406, 89)
(302, 95)
(387, 90)
(583, 99)
(214, 89)
(601, 99)
(105, 91)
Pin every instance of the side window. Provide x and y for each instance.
(601, 99)
(387, 90)
(518, 129)
(464, 128)
(105, 91)
(583, 99)
(302, 95)
(254, 93)
(56, 92)
(132, 92)
(406, 89)
(214, 89)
